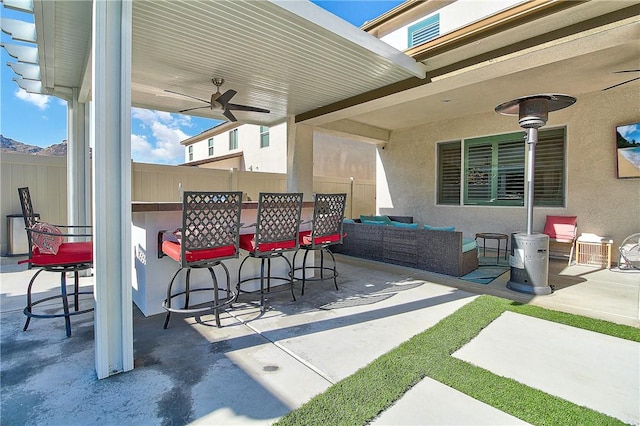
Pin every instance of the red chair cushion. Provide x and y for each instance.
(305, 238)
(68, 254)
(561, 227)
(248, 242)
(173, 250)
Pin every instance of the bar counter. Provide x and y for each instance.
(171, 206)
(151, 275)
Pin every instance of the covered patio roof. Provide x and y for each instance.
(296, 59)
(288, 57)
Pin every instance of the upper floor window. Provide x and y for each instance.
(233, 139)
(190, 152)
(264, 136)
(424, 30)
(491, 170)
(210, 146)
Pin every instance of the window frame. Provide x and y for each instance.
(264, 136)
(233, 139)
(551, 166)
(495, 142)
(190, 152)
(210, 145)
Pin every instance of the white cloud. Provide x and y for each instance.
(162, 144)
(41, 101)
(628, 131)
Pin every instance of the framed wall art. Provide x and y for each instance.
(628, 151)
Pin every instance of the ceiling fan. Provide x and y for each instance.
(220, 101)
(624, 82)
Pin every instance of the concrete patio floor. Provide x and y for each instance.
(258, 367)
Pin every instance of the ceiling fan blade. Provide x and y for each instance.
(226, 97)
(620, 84)
(191, 109)
(229, 115)
(188, 96)
(237, 107)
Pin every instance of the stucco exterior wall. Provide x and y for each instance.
(333, 156)
(605, 205)
(339, 157)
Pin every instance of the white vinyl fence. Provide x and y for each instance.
(46, 178)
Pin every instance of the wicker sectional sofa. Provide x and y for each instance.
(435, 251)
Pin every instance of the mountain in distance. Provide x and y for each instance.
(10, 145)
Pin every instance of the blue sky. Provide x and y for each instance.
(155, 136)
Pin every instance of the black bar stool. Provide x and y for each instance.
(277, 228)
(328, 214)
(209, 234)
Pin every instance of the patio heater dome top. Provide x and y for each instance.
(533, 110)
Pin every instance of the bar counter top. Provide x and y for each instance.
(171, 206)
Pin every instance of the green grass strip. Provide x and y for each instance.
(361, 397)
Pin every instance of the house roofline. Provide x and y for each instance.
(215, 130)
(213, 159)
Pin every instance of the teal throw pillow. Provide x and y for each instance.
(348, 221)
(440, 228)
(382, 218)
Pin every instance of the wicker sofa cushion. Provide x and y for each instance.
(374, 222)
(469, 244)
(404, 225)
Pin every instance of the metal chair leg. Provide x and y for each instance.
(65, 302)
(216, 300)
(168, 301)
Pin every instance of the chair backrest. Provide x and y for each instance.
(27, 208)
(563, 228)
(27, 213)
(278, 218)
(328, 214)
(210, 220)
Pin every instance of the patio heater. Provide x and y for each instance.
(529, 262)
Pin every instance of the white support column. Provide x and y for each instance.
(111, 135)
(300, 158)
(78, 170)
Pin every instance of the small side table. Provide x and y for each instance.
(593, 251)
(494, 236)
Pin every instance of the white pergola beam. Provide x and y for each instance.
(111, 135)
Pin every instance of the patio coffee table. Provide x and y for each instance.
(493, 236)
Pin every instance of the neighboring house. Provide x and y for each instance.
(249, 147)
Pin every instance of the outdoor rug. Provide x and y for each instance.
(486, 272)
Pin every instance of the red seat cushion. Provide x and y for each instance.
(305, 238)
(68, 254)
(173, 250)
(561, 227)
(248, 242)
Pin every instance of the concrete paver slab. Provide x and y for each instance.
(432, 403)
(587, 368)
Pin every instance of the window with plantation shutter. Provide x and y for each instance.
(549, 176)
(493, 170)
(424, 31)
(449, 167)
